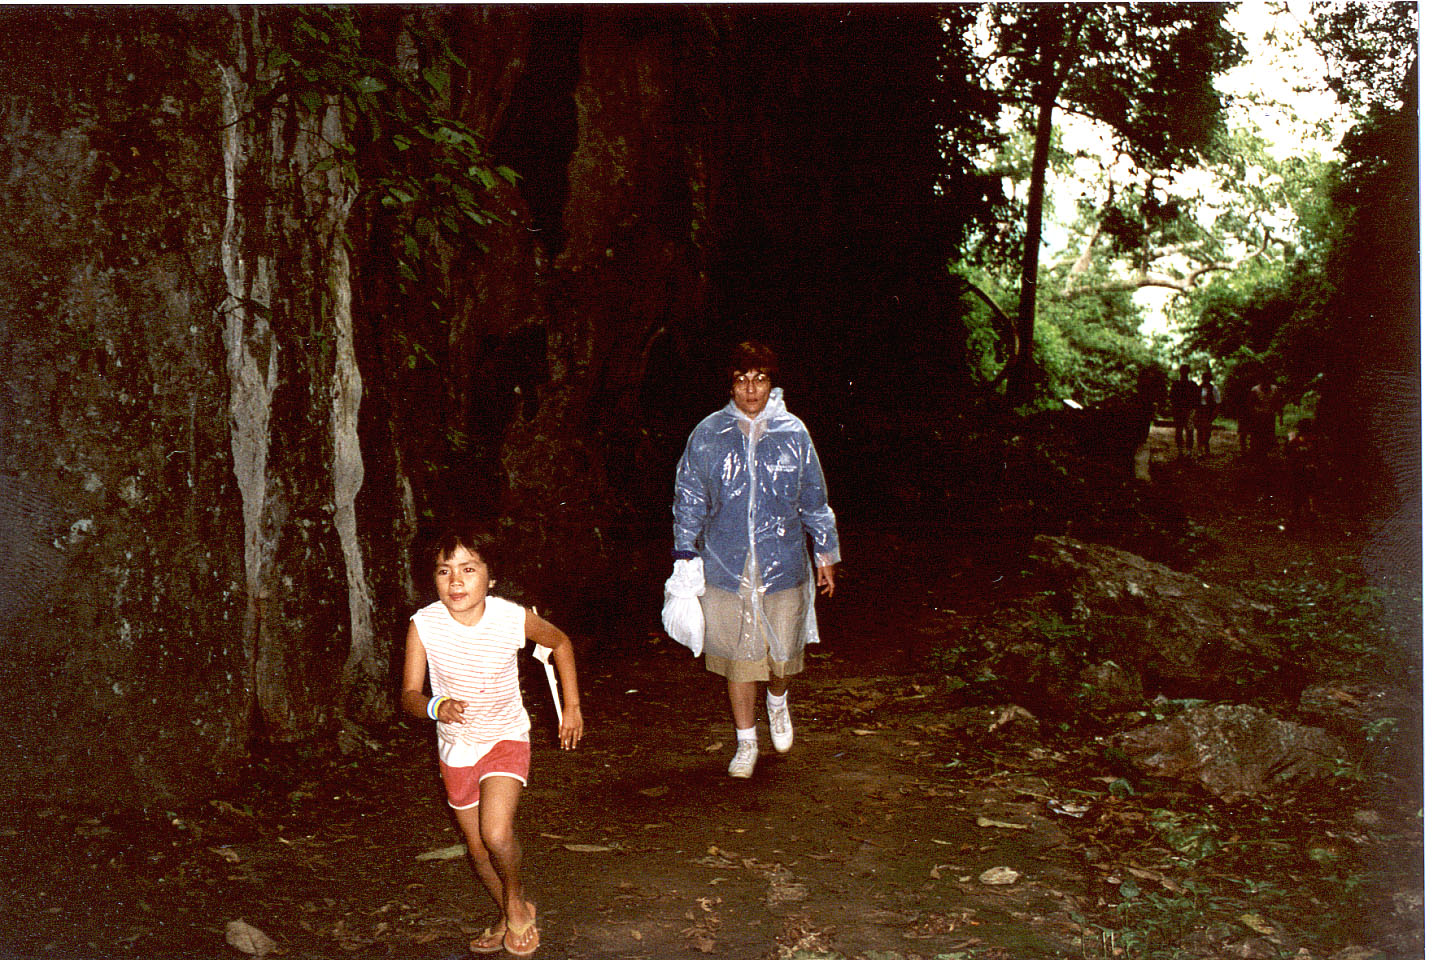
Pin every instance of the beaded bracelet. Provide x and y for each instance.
(433, 707)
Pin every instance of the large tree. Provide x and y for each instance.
(285, 285)
(1144, 71)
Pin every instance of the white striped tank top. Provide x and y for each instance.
(478, 665)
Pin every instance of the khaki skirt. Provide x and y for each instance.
(754, 636)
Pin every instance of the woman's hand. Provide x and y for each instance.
(825, 579)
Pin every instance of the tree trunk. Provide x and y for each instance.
(295, 393)
(1061, 50)
(1021, 381)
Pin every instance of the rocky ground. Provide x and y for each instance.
(913, 819)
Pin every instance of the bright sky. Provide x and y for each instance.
(1287, 70)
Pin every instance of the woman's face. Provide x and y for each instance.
(750, 391)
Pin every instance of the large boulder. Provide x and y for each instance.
(1232, 750)
(1181, 635)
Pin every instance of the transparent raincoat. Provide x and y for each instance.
(739, 499)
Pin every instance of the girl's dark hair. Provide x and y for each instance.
(473, 539)
(752, 355)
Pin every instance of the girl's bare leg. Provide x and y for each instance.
(489, 831)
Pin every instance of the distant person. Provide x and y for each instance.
(1184, 397)
(1207, 406)
(1302, 456)
(749, 492)
(467, 642)
(1263, 406)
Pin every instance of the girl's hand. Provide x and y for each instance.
(451, 711)
(572, 728)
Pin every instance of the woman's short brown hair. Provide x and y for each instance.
(752, 355)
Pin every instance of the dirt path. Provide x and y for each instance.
(902, 825)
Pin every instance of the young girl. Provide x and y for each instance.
(467, 642)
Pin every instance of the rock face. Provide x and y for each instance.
(1180, 635)
(1232, 750)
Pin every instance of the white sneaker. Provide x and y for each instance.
(782, 734)
(746, 753)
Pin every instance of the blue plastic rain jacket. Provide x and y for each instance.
(734, 496)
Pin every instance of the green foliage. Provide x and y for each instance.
(1369, 49)
(1337, 623)
(1087, 348)
(432, 173)
(1267, 313)
(1123, 67)
(1090, 347)
(1337, 312)
(1191, 836)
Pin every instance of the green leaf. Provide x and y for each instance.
(276, 59)
(370, 85)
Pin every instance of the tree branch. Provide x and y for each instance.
(1006, 323)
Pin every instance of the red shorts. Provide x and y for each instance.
(508, 758)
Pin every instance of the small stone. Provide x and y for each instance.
(999, 876)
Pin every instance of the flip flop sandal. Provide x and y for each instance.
(491, 940)
(519, 933)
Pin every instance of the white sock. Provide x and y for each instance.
(742, 735)
(774, 702)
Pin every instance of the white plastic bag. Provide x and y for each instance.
(681, 614)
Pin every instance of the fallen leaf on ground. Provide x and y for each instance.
(248, 939)
(589, 848)
(1258, 923)
(863, 733)
(1010, 714)
(443, 853)
(1151, 875)
(987, 822)
(786, 892)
